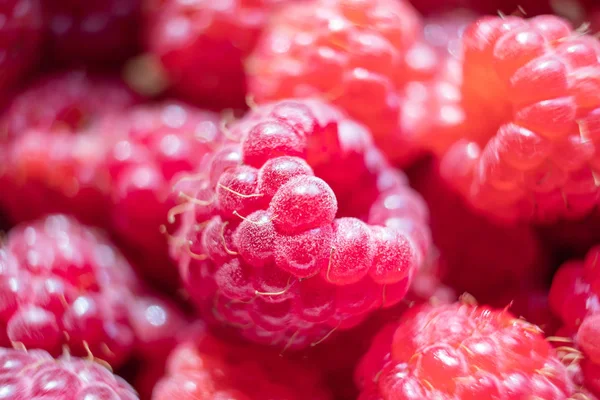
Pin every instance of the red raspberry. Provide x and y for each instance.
(464, 352)
(156, 142)
(283, 257)
(478, 255)
(575, 300)
(96, 31)
(34, 374)
(202, 45)
(350, 52)
(63, 284)
(538, 82)
(53, 156)
(206, 368)
(20, 34)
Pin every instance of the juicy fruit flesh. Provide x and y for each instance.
(34, 374)
(537, 81)
(273, 261)
(462, 352)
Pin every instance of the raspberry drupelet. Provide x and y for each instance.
(53, 156)
(575, 300)
(537, 81)
(64, 285)
(155, 143)
(462, 352)
(96, 32)
(35, 374)
(20, 39)
(357, 54)
(210, 369)
(272, 242)
(202, 45)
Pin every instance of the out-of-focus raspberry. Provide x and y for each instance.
(202, 45)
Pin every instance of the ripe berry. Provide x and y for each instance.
(63, 284)
(97, 31)
(575, 300)
(34, 374)
(202, 45)
(20, 37)
(536, 81)
(459, 351)
(283, 244)
(207, 368)
(355, 54)
(53, 157)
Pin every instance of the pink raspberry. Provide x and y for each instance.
(537, 82)
(96, 31)
(63, 284)
(353, 53)
(53, 156)
(202, 45)
(274, 246)
(207, 368)
(575, 300)
(460, 351)
(156, 142)
(20, 39)
(34, 374)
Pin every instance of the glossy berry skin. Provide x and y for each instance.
(460, 351)
(155, 143)
(53, 156)
(64, 285)
(206, 368)
(20, 39)
(272, 244)
(202, 45)
(96, 31)
(575, 300)
(349, 52)
(537, 81)
(34, 374)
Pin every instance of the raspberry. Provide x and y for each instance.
(459, 351)
(63, 284)
(350, 52)
(53, 154)
(575, 300)
(202, 45)
(536, 81)
(476, 254)
(99, 31)
(156, 142)
(35, 374)
(273, 246)
(20, 37)
(206, 368)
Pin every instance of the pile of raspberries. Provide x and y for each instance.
(300, 200)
